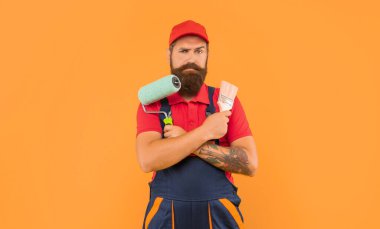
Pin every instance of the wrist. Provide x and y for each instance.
(204, 134)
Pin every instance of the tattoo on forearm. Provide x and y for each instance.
(231, 159)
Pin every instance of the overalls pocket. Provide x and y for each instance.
(159, 214)
(224, 214)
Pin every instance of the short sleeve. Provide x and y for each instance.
(238, 125)
(147, 121)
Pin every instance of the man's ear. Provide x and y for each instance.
(168, 56)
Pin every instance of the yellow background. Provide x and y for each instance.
(308, 78)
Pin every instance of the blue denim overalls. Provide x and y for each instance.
(192, 194)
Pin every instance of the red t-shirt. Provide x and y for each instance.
(190, 115)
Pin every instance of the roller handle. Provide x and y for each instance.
(168, 121)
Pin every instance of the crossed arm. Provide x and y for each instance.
(240, 157)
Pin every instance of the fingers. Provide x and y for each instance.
(173, 131)
(167, 134)
(167, 131)
(168, 128)
(227, 113)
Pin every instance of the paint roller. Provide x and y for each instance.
(158, 90)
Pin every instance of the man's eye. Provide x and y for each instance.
(199, 51)
(183, 51)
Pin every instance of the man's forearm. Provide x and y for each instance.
(231, 159)
(166, 152)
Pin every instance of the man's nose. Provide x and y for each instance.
(190, 57)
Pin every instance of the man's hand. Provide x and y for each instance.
(216, 124)
(171, 131)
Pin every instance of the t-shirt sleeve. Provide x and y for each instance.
(147, 121)
(238, 125)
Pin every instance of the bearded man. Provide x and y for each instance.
(193, 160)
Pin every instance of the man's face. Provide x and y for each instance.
(188, 61)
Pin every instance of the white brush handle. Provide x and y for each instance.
(227, 96)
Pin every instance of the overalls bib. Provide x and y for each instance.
(192, 194)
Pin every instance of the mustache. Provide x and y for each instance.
(189, 66)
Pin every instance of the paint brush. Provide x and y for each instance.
(227, 95)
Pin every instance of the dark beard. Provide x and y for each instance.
(191, 82)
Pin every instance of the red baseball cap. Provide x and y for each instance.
(188, 27)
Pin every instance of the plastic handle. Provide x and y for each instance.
(168, 121)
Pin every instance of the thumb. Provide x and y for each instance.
(227, 112)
